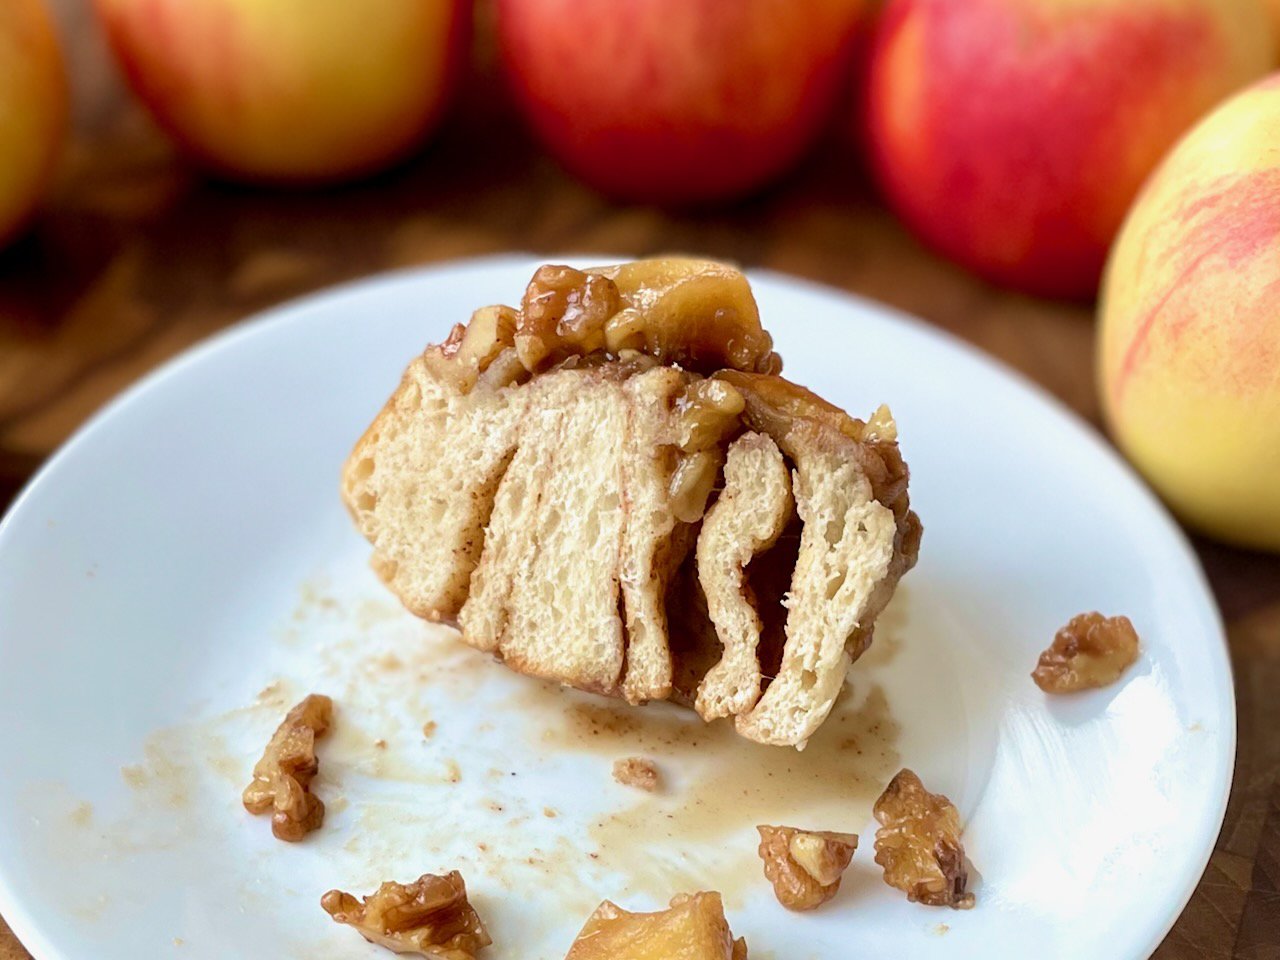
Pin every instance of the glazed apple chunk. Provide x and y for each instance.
(692, 928)
(430, 917)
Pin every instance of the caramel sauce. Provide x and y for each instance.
(698, 830)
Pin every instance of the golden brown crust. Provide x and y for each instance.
(803, 424)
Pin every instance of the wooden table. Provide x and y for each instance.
(137, 256)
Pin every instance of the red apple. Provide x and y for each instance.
(677, 101)
(1013, 134)
(33, 109)
(291, 90)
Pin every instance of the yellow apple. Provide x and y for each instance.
(1189, 338)
(291, 90)
(33, 109)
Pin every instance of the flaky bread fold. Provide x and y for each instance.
(591, 486)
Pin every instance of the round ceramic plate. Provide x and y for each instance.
(183, 571)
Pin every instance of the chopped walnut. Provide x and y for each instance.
(636, 772)
(805, 867)
(1090, 651)
(282, 778)
(563, 313)
(918, 844)
(431, 917)
(472, 349)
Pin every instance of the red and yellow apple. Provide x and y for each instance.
(1189, 333)
(1012, 135)
(677, 101)
(291, 90)
(33, 109)
(1273, 11)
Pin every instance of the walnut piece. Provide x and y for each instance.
(638, 772)
(1090, 651)
(430, 917)
(918, 844)
(563, 313)
(473, 348)
(282, 778)
(693, 928)
(805, 866)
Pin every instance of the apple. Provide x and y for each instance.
(33, 110)
(291, 90)
(1012, 135)
(677, 101)
(1189, 332)
(1273, 11)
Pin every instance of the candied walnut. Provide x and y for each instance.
(918, 844)
(805, 866)
(431, 917)
(693, 928)
(471, 350)
(636, 772)
(563, 313)
(282, 778)
(1090, 651)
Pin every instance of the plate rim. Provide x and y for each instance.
(297, 310)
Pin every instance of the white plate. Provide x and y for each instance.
(182, 571)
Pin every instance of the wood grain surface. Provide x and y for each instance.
(137, 256)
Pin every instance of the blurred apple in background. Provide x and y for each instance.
(33, 109)
(292, 90)
(1012, 135)
(1189, 341)
(1273, 11)
(677, 101)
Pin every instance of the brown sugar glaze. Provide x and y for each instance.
(716, 786)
